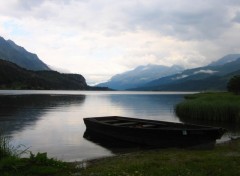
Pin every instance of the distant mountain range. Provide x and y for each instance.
(211, 77)
(11, 52)
(226, 59)
(156, 77)
(20, 69)
(140, 76)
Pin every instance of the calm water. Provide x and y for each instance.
(52, 121)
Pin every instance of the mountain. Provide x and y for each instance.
(226, 59)
(14, 77)
(140, 76)
(10, 51)
(210, 77)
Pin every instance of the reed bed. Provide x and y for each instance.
(219, 107)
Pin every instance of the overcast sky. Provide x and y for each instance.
(100, 38)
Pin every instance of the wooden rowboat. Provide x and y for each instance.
(152, 132)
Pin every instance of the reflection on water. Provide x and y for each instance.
(156, 107)
(18, 112)
(233, 129)
(120, 146)
(114, 145)
(52, 121)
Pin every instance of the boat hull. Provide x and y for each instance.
(175, 135)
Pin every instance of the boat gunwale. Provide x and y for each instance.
(169, 128)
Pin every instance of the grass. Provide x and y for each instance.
(219, 107)
(4, 147)
(224, 160)
(7, 150)
(11, 164)
(36, 165)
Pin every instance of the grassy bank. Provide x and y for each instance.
(11, 163)
(224, 160)
(223, 107)
(36, 165)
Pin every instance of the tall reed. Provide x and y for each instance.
(4, 146)
(9, 150)
(210, 107)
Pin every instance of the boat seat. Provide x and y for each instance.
(125, 123)
(109, 121)
(148, 126)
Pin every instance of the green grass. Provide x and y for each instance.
(35, 165)
(4, 147)
(222, 161)
(219, 107)
(25, 166)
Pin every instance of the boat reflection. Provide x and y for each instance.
(111, 144)
(117, 146)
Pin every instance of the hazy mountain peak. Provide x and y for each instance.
(226, 59)
(140, 75)
(15, 46)
(177, 67)
(14, 53)
(210, 77)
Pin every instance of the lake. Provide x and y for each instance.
(52, 121)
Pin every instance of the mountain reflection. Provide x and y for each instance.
(19, 111)
(157, 107)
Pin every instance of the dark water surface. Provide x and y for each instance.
(52, 121)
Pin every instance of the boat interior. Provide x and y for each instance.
(140, 123)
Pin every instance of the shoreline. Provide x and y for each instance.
(224, 158)
(87, 162)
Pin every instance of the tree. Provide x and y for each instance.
(234, 84)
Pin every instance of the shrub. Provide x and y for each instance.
(234, 84)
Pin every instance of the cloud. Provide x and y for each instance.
(180, 77)
(184, 19)
(237, 17)
(28, 5)
(205, 71)
(101, 38)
